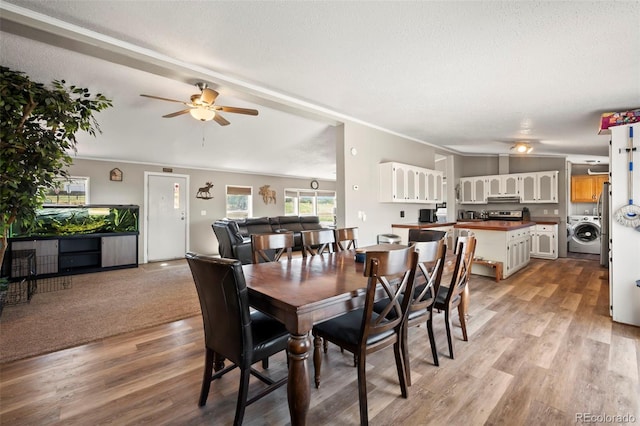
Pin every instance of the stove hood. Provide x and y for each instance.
(504, 199)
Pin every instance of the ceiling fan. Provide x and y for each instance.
(202, 106)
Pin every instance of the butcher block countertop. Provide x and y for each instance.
(494, 225)
(422, 225)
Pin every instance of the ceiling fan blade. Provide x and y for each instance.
(221, 120)
(177, 113)
(162, 99)
(247, 111)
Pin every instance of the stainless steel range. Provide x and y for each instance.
(514, 215)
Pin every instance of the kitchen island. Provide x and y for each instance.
(508, 242)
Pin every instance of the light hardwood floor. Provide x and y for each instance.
(542, 348)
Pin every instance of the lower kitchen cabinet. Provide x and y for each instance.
(544, 242)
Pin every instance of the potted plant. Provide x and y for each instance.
(38, 129)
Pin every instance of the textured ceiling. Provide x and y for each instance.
(469, 77)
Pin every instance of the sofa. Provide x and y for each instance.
(234, 236)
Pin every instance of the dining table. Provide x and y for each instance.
(302, 292)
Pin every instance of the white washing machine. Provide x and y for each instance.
(584, 234)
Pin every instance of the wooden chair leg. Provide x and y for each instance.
(218, 362)
(447, 323)
(243, 392)
(206, 377)
(403, 369)
(325, 345)
(404, 347)
(463, 323)
(362, 390)
(432, 342)
(317, 359)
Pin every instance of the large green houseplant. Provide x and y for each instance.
(37, 135)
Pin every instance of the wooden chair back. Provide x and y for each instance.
(465, 249)
(346, 238)
(431, 261)
(317, 241)
(277, 243)
(418, 235)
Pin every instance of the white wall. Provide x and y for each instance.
(625, 241)
(374, 147)
(202, 238)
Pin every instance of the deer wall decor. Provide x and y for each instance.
(204, 192)
(268, 195)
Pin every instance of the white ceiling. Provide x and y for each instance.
(467, 77)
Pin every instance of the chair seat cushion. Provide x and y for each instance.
(346, 328)
(441, 297)
(269, 336)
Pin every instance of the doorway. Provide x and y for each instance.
(166, 225)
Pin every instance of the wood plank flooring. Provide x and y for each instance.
(541, 349)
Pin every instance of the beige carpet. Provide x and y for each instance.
(97, 306)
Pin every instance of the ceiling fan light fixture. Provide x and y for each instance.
(522, 148)
(202, 113)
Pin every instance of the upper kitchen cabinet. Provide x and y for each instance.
(473, 190)
(402, 183)
(503, 185)
(539, 187)
(587, 188)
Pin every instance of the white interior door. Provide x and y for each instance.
(167, 221)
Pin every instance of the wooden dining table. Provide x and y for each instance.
(302, 292)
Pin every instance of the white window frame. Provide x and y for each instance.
(249, 202)
(68, 181)
(307, 193)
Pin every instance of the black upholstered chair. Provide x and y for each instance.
(431, 261)
(418, 235)
(450, 297)
(364, 331)
(231, 331)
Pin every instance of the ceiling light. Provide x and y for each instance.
(522, 148)
(202, 113)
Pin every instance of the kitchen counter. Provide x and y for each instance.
(422, 225)
(494, 225)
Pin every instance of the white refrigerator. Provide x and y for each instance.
(624, 265)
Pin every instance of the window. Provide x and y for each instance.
(239, 202)
(68, 191)
(303, 202)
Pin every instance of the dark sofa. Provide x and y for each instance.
(234, 236)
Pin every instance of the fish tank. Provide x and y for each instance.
(52, 220)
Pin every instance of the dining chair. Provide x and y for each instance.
(346, 238)
(416, 235)
(231, 330)
(364, 331)
(317, 241)
(431, 261)
(450, 297)
(271, 247)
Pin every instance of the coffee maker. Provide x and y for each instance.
(427, 216)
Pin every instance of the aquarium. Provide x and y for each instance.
(74, 220)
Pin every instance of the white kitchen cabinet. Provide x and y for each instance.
(544, 242)
(402, 183)
(473, 190)
(539, 187)
(502, 185)
(518, 250)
